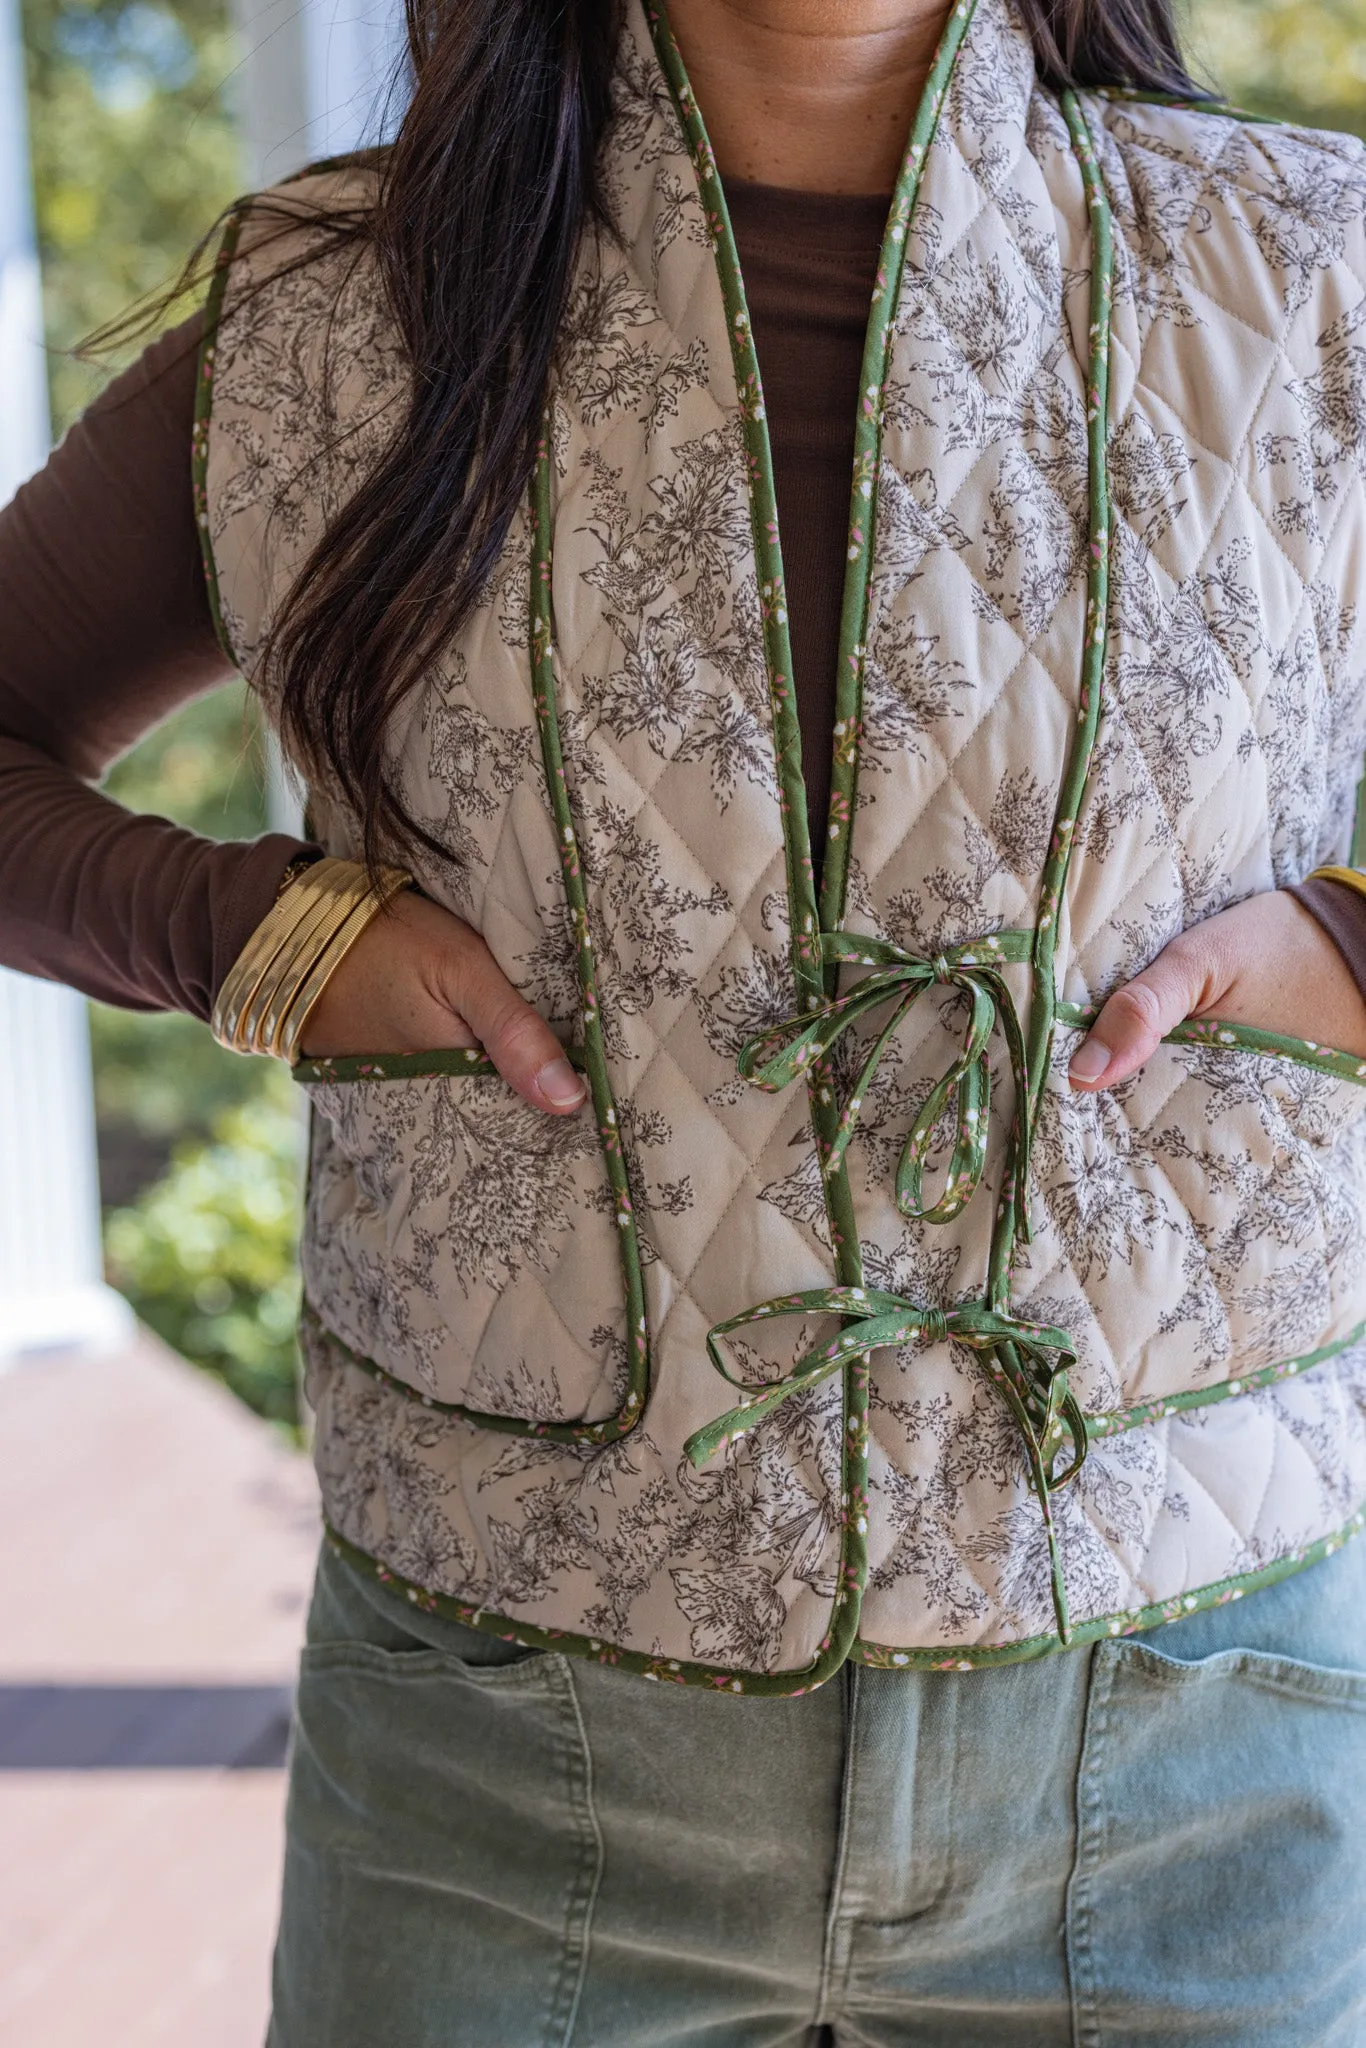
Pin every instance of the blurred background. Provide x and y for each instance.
(144, 119)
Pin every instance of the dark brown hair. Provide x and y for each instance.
(480, 208)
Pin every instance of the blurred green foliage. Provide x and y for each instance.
(208, 1254)
(1303, 60)
(135, 154)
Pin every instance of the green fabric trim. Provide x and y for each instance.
(884, 1657)
(1118, 1420)
(1054, 879)
(814, 983)
(779, 1055)
(1356, 857)
(1190, 103)
(806, 960)
(877, 350)
(1040, 1400)
(203, 418)
(667, 1670)
(591, 1057)
(881, 1656)
(457, 1062)
(1214, 1032)
(594, 1053)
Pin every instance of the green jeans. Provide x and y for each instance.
(1156, 1840)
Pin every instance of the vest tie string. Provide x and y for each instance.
(781, 1054)
(1026, 1362)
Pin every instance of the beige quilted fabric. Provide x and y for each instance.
(1204, 1223)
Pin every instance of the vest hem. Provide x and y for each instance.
(836, 1649)
(1127, 1622)
(1116, 1421)
(793, 1684)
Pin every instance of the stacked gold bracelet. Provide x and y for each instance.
(289, 959)
(1351, 878)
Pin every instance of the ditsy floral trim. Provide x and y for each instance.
(814, 983)
(203, 417)
(456, 1062)
(208, 352)
(884, 1657)
(881, 1656)
(877, 349)
(1058, 862)
(1214, 1032)
(1117, 1420)
(592, 1055)
(1200, 104)
(664, 1670)
(805, 947)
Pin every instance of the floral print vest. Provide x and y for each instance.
(835, 1325)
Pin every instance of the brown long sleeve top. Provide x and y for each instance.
(105, 629)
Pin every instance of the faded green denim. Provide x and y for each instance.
(1155, 1840)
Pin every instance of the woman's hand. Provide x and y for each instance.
(419, 980)
(1266, 962)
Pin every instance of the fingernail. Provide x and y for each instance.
(560, 1085)
(1089, 1061)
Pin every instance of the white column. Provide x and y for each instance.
(51, 1290)
(316, 79)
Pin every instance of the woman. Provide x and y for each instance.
(937, 1010)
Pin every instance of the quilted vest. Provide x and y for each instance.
(836, 1325)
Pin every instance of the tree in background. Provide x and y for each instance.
(135, 152)
(1300, 60)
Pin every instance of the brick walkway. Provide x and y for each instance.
(159, 1544)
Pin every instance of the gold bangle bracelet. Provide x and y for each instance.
(316, 924)
(285, 964)
(300, 903)
(1350, 878)
(389, 884)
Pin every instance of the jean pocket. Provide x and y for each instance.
(441, 1852)
(511, 1662)
(1219, 1888)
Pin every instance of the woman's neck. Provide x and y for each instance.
(817, 95)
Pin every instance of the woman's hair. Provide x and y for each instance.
(480, 208)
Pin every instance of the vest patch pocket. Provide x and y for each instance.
(1212, 1210)
(445, 1215)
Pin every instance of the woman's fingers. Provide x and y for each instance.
(419, 980)
(1139, 1015)
(1266, 963)
(516, 1037)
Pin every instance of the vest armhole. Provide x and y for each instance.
(203, 420)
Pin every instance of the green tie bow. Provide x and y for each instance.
(1027, 1363)
(778, 1056)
